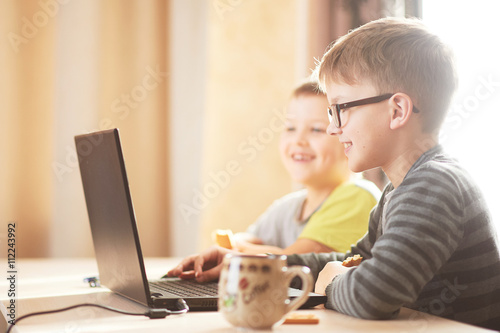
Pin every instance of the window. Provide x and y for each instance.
(471, 132)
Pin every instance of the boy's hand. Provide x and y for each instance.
(205, 266)
(325, 277)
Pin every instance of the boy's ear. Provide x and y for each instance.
(401, 110)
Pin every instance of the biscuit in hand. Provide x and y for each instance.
(352, 261)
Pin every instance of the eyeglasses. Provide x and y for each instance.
(334, 109)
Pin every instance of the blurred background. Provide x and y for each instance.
(198, 89)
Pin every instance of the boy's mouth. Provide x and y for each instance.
(302, 157)
(347, 147)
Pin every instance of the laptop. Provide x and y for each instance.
(116, 238)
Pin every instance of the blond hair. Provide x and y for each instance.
(308, 87)
(395, 55)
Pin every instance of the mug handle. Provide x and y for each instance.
(304, 273)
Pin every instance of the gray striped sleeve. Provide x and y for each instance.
(420, 235)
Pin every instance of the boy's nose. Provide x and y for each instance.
(333, 130)
(301, 138)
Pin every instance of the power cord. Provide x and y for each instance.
(151, 313)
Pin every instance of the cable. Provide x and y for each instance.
(151, 313)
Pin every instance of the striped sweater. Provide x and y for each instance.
(431, 246)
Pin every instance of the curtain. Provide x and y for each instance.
(70, 67)
(27, 88)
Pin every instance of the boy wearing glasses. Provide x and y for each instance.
(431, 245)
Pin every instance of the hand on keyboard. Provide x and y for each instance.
(205, 266)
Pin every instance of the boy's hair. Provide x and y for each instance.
(396, 55)
(308, 88)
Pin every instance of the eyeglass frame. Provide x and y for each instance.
(359, 102)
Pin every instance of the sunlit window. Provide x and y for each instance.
(472, 130)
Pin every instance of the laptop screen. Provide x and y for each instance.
(111, 214)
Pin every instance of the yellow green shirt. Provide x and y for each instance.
(343, 217)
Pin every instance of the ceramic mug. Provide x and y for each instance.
(253, 289)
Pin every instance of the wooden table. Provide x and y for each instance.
(45, 284)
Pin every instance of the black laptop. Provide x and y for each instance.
(116, 238)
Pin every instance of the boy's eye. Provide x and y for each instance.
(290, 128)
(318, 129)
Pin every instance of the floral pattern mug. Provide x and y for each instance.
(253, 289)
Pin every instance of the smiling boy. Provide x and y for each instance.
(330, 212)
(431, 245)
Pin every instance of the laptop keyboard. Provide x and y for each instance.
(184, 288)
